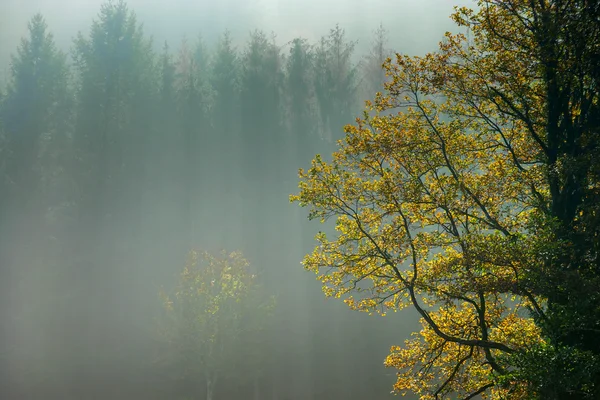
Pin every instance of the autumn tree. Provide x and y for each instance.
(214, 322)
(468, 192)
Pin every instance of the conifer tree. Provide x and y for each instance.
(116, 88)
(34, 139)
(335, 82)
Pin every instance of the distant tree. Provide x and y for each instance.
(116, 93)
(225, 82)
(115, 89)
(167, 77)
(163, 146)
(35, 126)
(301, 110)
(261, 107)
(471, 196)
(214, 322)
(35, 111)
(195, 139)
(163, 161)
(262, 138)
(228, 149)
(303, 140)
(373, 72)
(201, 56)
(335, 82)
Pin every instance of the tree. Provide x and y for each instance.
(116, 94)
(261, 105)
(35, 113)
(193, 105)
(335, 82)
(372, 65)
(163, 150)
(35, 129)
(474, 203)
(201, 55)
(302, 140)
(163, 166)
(215, 319)
(262, 139)
(228, 147)
(224, 79)
(299, 85)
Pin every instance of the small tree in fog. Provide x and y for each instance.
(215, 319)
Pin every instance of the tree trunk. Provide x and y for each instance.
(209, 388)
(256, 389)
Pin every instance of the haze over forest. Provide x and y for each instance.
(120, 154)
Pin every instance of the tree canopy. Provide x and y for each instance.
(468, 191)
(216, 310)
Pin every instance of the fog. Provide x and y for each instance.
(119, 156)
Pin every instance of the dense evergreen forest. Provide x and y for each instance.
(117, 159)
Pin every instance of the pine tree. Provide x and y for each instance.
(302, 142)
(35, 115)
(225, 81)
(201, 56)
(115, 71)
(299, 85)
(261, 102)
(193, 105)
(261, 118)
(372, 65)
(262, 140)
(225, 84)
(335, 83)
(34, 111)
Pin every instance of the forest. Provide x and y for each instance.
(148, 247)
(119, 156)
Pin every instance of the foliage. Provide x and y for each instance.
(464, 204)
(216, 310)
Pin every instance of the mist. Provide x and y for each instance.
(134, 133)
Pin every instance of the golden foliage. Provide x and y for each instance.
(215, 307)
(433, 191)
